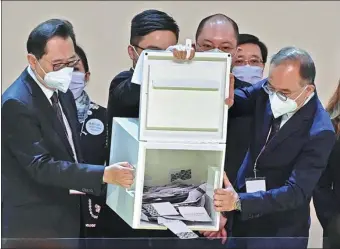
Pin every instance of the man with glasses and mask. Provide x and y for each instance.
(42, 170)
(154, 30)
(220, 33)
(250, 60)
(293, 138)
(150, 29)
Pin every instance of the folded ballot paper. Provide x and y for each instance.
(174, 205)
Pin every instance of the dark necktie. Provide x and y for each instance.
(57, 109)
(275, 127)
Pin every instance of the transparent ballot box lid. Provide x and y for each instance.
(184, 101)
(172, 180)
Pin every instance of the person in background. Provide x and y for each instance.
(250, 60)
(93, 136)
(220, 33)
(152, 30)
(327, 193)
(293, 138)
(42, 166)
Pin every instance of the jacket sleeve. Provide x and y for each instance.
(21, 134)
(123, 97)
(245, 100)
(324, 198)
(299, 187)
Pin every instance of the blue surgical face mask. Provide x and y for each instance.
(77, 83)
(250, 74)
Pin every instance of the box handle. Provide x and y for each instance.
(131, 190)
(213, 181)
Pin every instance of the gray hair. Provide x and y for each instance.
(307, 66)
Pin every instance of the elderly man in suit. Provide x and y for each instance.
(292, 138)
(42, 165)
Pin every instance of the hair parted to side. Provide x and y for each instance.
(40, 35)
(307, 66)
(252, 39)
(149, 21)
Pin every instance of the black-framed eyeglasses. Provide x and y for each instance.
(251, 62)
(207, 47)
(151, 48)
(59, 66)
(270, 91)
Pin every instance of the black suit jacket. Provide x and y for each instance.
(238, 138)
(38, 168)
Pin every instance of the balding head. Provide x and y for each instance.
(217, 31)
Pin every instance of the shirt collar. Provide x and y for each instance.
(48, 92)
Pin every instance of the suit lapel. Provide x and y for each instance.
(296, 123)
(46, 108)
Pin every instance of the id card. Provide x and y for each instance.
(255, 184)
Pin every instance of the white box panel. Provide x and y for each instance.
(154, 162)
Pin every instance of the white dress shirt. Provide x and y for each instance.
(49, 93)
(287, 116)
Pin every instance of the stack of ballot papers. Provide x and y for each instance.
(175, 205)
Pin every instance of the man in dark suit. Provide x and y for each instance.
(220, 33)
(42, 166)
(289, 149)
(150, 29)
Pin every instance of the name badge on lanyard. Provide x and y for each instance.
(255, 184)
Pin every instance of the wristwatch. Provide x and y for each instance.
(237, 205)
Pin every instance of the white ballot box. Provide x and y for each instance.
(177, 147)
(184, 101)
(159, 164)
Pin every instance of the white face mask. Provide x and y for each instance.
(77, 84)
(280, 107)
(250, 74)
(59, 80)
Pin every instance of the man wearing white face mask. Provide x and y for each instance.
(43, 174)
(250, 60)
(293, 138)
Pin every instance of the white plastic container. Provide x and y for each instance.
(154, 163)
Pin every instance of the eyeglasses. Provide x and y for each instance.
(151, 48)
(251, 62)
(207, 47)
(58, 66)
(270, 91)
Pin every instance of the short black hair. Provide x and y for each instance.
(252, 39)
(82, 56)
(149, 21)
(205, 20)
(38, 38)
